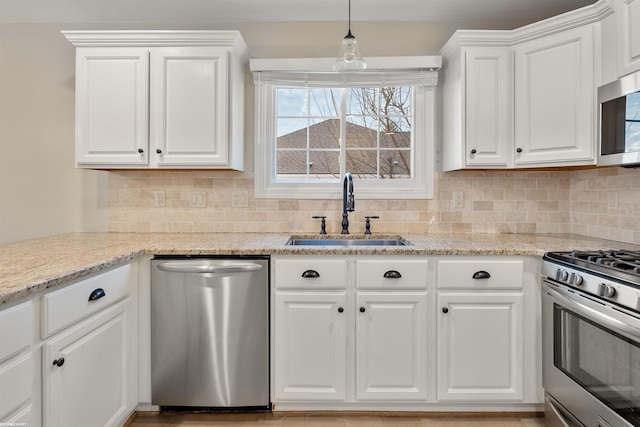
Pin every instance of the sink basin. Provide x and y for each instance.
(294, 241)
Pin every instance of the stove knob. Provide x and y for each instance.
(561, 275)
(610, 291)
(575, 280)
(606, 291)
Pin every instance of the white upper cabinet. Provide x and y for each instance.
(112, 106)
(189, 112)
(522, 98)
(159, 99)
(555, 99)
(628, 35)
(478, 104)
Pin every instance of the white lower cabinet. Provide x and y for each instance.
(16, 364)
(89, 352)
(310, 346)
(488, 336)
(391, 339)
(354, 332)
(86, 370)
(426, 333)
(480, 346)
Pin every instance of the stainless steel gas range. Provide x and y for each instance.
(591, 338)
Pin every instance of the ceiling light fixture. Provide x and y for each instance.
(349, 58)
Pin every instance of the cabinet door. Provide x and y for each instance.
(554, 99)
(628, 35)
(87, 385)
(16, 361)
(480, 347)
(391, 339)
(489, 106)
(310, 346)
(111, 106)
(190, 106)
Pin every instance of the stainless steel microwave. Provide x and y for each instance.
(619, 122)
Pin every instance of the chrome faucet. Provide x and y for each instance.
(348, 201)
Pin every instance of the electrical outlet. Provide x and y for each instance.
(458, 199)
(613, 199)
(158, 199)
(198, 199)
(239, 199)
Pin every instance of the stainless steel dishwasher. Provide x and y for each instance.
(210, 332)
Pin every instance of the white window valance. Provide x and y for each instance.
(317, 72)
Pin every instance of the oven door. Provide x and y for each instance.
(591, 358)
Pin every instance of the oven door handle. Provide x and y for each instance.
(606, 320)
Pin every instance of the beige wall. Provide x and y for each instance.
(41, 193)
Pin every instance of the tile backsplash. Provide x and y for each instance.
(602, 202)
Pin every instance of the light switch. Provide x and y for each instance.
(198, 199)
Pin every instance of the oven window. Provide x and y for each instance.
(604, 363)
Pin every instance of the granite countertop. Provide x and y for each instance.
(31, 266)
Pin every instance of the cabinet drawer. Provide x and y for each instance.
(391, 273)
(15, 384)
(311, 273)
(16, 329)
(72, 303)
(481, 273)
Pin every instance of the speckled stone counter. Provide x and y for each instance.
(31, 266)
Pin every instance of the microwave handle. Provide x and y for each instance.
(610, 322)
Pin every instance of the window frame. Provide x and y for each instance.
(420, 186)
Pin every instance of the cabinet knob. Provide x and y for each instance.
(473, 151)
(445, 310)
(58, 362)
(340, 310)
(140, 150)
(310, 274)
(362, 310)
(159, 151)
(518, 150)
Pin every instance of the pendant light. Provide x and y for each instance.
(349, 58)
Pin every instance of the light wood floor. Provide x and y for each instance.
(333, 419)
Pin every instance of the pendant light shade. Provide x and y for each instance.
(349, 58)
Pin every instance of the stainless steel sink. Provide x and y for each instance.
(294, 241)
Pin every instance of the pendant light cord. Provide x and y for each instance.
(349, 35)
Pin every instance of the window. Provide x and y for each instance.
(312, 128)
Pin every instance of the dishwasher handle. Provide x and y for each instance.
(207, 267)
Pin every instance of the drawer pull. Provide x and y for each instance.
(97, 294)
(58, 362)
(392, 274)
(445, 310)
(481, 275)
(340, 310)
(310, 274)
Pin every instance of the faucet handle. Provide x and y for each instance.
(323, 224)
(367, 229)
